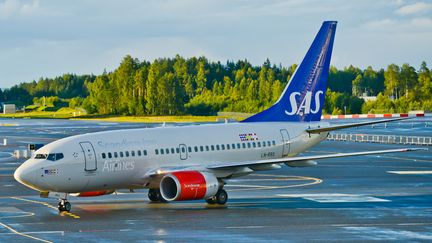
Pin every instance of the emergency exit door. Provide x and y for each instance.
(89, 156)
(285, 142)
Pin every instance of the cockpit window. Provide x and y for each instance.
(40, 156)
(55, 157)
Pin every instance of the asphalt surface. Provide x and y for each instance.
(368, 198)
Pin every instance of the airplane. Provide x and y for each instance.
(195, 162)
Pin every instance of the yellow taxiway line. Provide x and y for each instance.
(47, 205)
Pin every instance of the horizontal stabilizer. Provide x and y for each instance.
(342, 126)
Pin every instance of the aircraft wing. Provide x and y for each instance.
(306, 158)
(348, 125)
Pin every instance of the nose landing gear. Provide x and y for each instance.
(64, 205)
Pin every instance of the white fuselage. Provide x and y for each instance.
(122, 158)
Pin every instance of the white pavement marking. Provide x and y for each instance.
(22, 234)
(313, 181)
(246, 227)
(411, 172)
(335, 197)
(383, 234)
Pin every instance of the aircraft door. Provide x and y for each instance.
(286, 142)
(89, 156)
(183, 151)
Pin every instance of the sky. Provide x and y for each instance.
(47, 38)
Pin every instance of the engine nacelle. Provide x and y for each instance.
(95, 193)
(188, 185)
(304, 163)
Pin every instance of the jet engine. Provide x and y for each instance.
(188, 185)
(304, 163)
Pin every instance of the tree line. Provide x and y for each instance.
(171, 86)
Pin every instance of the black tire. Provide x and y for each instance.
(221, 197)
(61, 207)
(211, 200)
(155, 195)
(67, 206)
(64, 206)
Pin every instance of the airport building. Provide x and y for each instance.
(9, 108)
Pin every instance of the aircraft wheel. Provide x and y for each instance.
(64, 205)
(211, 200)
(67, 206)
(221, 197)
(155, 195)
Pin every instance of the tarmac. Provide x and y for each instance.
(365, 198)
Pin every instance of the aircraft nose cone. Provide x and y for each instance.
(25, 175)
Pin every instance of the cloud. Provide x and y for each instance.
(415, 8)
(10, 8)
(380, 24)
(422, 22)
(399, 2)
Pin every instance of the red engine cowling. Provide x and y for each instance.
(188, 185)
(95, 193)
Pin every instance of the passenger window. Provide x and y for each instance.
(172, 150)
(127, 153)
(228, 147)
(121, 154)
(259, 144)
(109, 155)
(167, 151)
(254, 144)
(133, 153)
(103, 156)
(115, 155)
(243, 145)
(268, 143)
(212, 147)
(183, 150)
(196, 149)
(264, 144)
(238, 145)
(274, 143)
(217, 147)
(189, 149)
(139, 152)
(177, 150)
(223, 146)
(233, 146)
(201, 148)
(207, 148)
(249, 145)
(162, 151)
(156, 151)
(145, 152)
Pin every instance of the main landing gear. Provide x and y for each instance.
(155, 195)
(64, 205)
(220, 198)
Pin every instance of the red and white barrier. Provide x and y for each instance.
(386, 115)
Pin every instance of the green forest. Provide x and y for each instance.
(197, 86)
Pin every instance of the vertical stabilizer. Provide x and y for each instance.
(303, 97)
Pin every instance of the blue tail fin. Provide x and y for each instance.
(303, 97)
